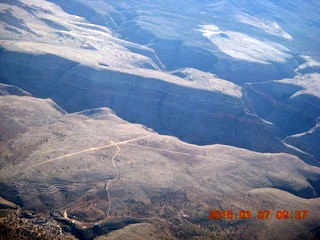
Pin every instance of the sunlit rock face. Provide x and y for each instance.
(152, 68)
(307, 141)
(136, 118)
(201, 116)
(281, 101)
(241, 42)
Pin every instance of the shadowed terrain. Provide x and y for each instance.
(133, 119)
(94, 167)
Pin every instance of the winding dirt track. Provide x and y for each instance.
(110, 181)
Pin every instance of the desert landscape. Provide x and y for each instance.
(139, 119)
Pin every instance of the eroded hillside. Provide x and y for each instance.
(134, 119)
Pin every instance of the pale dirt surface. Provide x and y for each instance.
(205, 72)
(97, 168)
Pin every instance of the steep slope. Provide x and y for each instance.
(240, 41)
(237, 78)
(46, 28)
(95, 168)
(282, 101)
(307, 141)
(81, 65)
